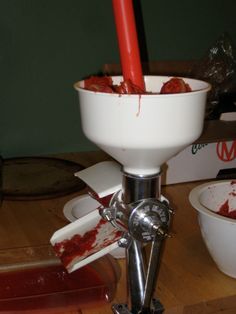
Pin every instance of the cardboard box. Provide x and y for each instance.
(202, 161)
(213, 155)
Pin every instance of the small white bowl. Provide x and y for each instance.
(218, 232)
(79, 206)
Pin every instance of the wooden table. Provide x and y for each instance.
(188, 281)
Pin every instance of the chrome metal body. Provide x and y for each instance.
(138, 211)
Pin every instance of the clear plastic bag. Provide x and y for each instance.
(218, 67)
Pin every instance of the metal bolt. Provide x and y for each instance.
(106, 213)
(124, 241)
(160, 231)
(171, 210)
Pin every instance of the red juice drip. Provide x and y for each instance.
(139, 106)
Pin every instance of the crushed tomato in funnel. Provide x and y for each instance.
(175, 85)
(104, 84)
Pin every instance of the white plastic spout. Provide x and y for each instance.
(143, 131)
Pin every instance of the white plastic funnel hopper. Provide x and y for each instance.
(143, 131)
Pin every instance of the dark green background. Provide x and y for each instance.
(47, 45)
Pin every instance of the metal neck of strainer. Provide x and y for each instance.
(145, 219)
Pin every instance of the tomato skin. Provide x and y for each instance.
(99, 84)
(127, 87)
(175, 85)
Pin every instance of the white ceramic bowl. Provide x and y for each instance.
(218, 232)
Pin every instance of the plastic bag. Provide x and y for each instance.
(218, 68)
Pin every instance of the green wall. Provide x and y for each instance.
(47, 45)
